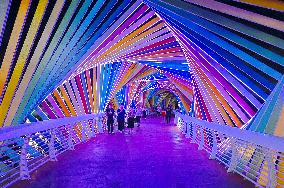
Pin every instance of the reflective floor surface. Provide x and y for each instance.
(155, 155)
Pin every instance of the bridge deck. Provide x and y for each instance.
(155, 155)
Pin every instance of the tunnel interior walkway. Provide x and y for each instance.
(155, 155)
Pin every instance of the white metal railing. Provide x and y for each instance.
(26, 147)
(255, 156)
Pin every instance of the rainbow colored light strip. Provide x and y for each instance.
(221, 59)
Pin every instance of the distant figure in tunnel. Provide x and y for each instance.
(110, 118)
(159, 110)
(138, 115)
(121, 118)
(163, 113)
(144, 113)
(131, 119)
(168, 114)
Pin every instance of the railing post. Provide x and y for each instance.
(100, 127)
(271, 170)
(52, 155)
(180, 124)
(84, 138)
(214, 146)
(24, 171)
(193, 140)
(70, 137)
(201, 143)
(187, 130)
(87, 128)
(93, 128)
(176, 119)
(180, 120)
(234, 158)
(184, 127)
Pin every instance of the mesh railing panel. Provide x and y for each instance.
(255, 160)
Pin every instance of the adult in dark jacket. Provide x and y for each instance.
(168, 114)
(121, 118)
(131, 119)
(110, 118)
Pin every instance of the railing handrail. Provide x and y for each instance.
(265, 140)
(30, 128)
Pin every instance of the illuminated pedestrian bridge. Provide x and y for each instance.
(217, 64)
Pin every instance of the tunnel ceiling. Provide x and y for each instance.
(222, 58)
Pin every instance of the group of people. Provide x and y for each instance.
(166, 113)
(133, 116)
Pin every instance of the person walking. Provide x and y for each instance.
(131, 120)
(138, 115)
(110, 118)
(168, 115)
(121, 118)
(159, 110)
(163, 113)
(144, 113)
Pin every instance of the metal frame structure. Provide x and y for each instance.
(26, 147)
(255, 156)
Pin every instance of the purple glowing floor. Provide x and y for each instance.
(155, 155)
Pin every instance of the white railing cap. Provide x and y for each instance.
(265, 140)
(30, 128)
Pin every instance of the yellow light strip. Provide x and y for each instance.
(279, 131)
(67, 100)
(35, 24)
(34, 61)
(95, 90)
(218, 106)
(148, 72)
(125, 39)
(13, 42)
(89, 87)
(221, 99)
(61, 103)
(98, 86)
(240, 13)
(274, 4)
(134, 40)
